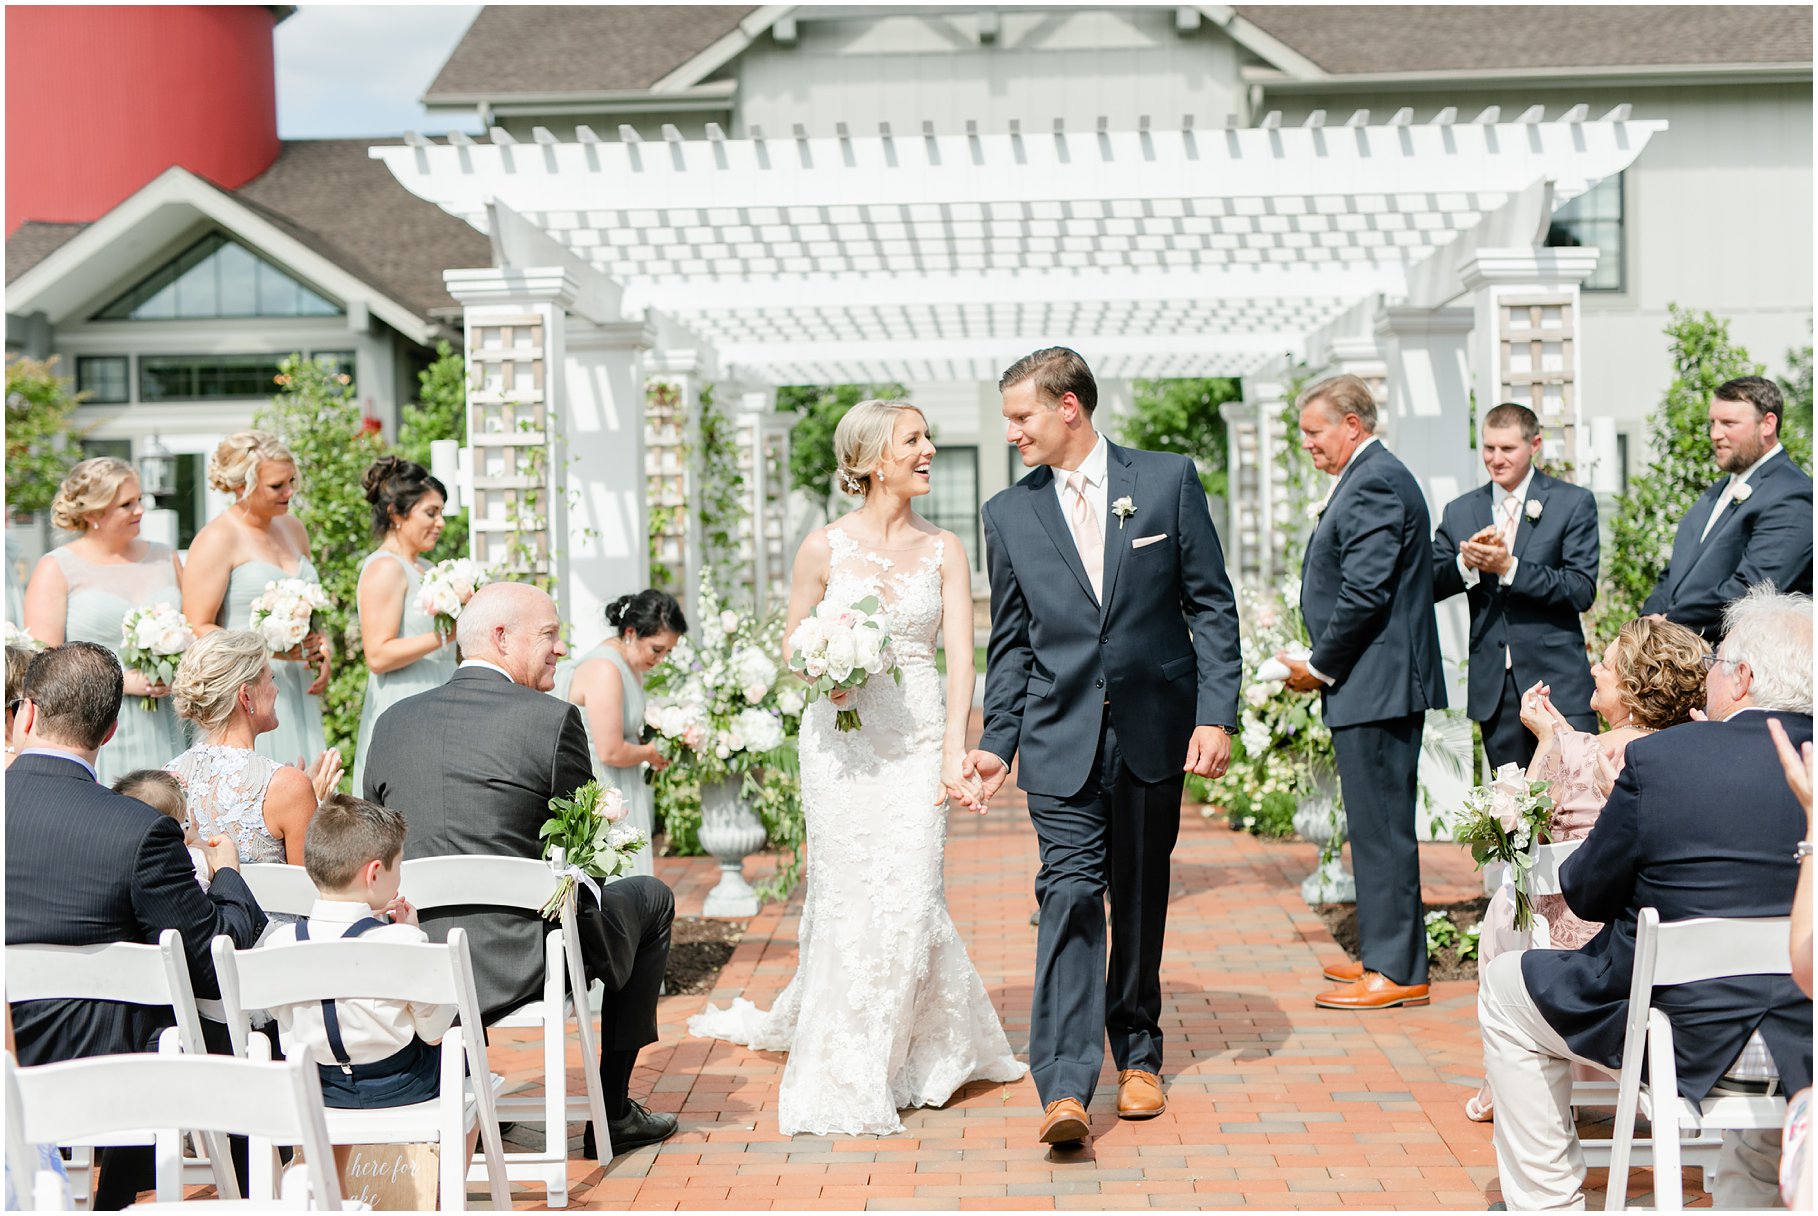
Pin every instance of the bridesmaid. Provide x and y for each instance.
(404, 652)
(82, 591)
(252, 543)
(608, 684)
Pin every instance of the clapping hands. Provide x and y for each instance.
(1484, 551)
(325, 774)
(1539, 714)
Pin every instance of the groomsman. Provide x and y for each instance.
(1523, 550)
(1754, 526)
(1367, 597)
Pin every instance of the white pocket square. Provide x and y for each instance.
(1142, 541)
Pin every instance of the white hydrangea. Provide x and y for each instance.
(753, 671)
(759, 729)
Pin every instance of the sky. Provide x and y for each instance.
(358, 69)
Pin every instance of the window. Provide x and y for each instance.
(216, 277)
(341, 360)
(952, 501)
(119, 449)
(206, 377)
(105, 378)
(1594, 220)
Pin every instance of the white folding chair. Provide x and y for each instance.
(113, 1099)
(1685, 952)
(287, 890)
(426, 972)
(526, 884)
(137, 975)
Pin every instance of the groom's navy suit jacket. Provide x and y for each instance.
(1366, 594)
(1768, 538)
(1162, 647)
(1535, 617)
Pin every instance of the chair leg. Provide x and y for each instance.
(555, 1105)
(1669, 1187)
(452, 1154)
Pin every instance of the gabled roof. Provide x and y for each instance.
(1408, 38)
(559, 49)
(332, 199)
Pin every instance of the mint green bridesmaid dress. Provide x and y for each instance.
(299, 732)
(385, 689)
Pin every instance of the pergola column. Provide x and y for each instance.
(1525, 348)
(673, 392)
(1258, 495)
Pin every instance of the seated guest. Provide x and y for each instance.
(375, 1053)
(18, 658)
(163, 793)
(473, 765)
(1649, 678)
(1699, 823)
(86, 866)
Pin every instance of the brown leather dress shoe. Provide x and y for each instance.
(1065, 1122)
(1344, 973)
(1139, 1095)
(1373, 991)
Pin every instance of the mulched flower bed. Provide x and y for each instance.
(1341, 919)
(697, 950)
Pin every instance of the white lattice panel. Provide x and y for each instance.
(508, 428)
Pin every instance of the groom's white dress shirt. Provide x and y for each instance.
(1096, 467)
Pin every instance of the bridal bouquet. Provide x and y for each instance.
(842, 648)
(593, 841)
(281, 612)
(1500, 822)
(152, 642)
(447, 587)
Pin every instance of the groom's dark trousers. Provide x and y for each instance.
(1098, 695)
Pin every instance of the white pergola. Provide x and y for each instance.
(1408, 253)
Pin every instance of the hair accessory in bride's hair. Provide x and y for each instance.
(851, 482)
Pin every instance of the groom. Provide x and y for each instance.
(1113, 667)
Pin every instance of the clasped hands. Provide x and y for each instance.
(1485, 551)
(981, 773)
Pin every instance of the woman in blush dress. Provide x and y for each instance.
(254, 542)
(82, 591)
(1651, 676)
(608, 684)
(404, 653)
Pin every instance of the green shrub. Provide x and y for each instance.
(39, 435)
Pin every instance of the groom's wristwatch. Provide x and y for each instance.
(1226, 727)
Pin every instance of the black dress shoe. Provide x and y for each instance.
(636, 1128)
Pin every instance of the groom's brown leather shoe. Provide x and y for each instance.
(1373, 991)
(1344, 973)
(1065, 1122)
(1139, 1095)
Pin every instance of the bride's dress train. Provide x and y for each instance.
(885, 1012)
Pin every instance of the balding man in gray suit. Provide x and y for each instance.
(473, 765)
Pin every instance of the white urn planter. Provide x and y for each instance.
(731, 831)
(1320, 821)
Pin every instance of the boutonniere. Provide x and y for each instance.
(1315, 510)
(1533, 509)
(1123, 508)
(1741, 494)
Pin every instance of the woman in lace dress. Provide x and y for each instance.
(1649, 678)
(254, 542)
(885, 1012)
(224, 685)
(404, 653)
(82, 591)
(608, 684)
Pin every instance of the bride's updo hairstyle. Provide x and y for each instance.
(89, 488)
(394, 487)
(234, 467)
(646, 614)
(862, 438)
(213, 671)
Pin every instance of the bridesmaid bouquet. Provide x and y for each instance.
(447, 587)
(17, 636)
(837, 647)
(1500, 822)
(586, 838)
(152, 641)
(282, 611)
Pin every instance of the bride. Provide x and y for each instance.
(885, 1012)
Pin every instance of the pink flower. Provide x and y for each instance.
(1508, 787)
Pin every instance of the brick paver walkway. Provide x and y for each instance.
(1272, 1102)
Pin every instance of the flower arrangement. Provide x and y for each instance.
(586, 826)
(152, 641)
(837, 648)
(447, 587)
(281, 613)
(17, 636)
(1501, 821)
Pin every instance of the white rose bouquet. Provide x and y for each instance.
(838, 647)
(588, 828)
(152, 641)
(1500, 821)
(282, 611)
(17, 636)
(447, 587)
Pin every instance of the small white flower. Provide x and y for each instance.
(1533, 508)
(1123, 508)
(1741, 494)
(729, 621)
(1314, 511)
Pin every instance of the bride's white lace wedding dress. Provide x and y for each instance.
(885, 1012)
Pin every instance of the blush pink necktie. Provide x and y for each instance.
(1087, 534)
(1511, 508)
